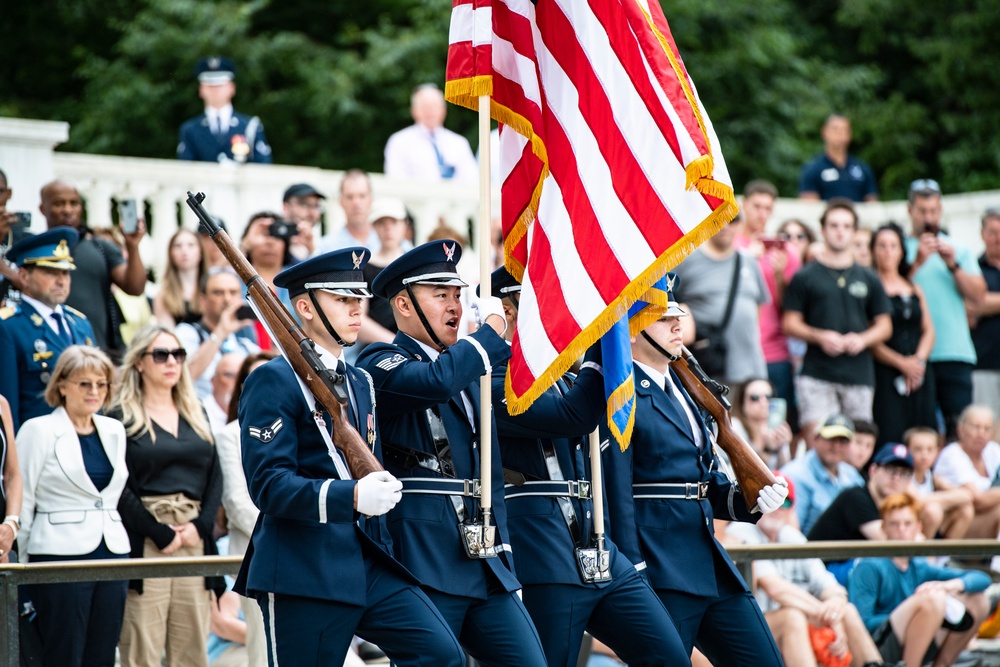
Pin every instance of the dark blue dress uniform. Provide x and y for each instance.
(321, 572)
(243, 141)
(673, 539)
(29, 347)
(549, 442)
(475, 595)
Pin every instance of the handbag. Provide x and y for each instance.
(710, 347)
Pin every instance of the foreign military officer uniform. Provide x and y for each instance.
(321, 572)
(429, 404)
(32, 335)
(550, 514)
(664, 491)
(242, 139)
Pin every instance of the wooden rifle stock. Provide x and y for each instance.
(751, 473)
(299, 349)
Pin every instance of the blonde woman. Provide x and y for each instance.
(170, 503)
(73, 473)
(177, 300)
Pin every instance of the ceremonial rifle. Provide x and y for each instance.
(751, 473)
(325, 384)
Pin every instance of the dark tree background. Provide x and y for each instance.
(331, 80)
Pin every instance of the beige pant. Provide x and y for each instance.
(171, 614)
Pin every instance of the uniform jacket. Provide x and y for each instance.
(29, 349)
(675, 539)
(197, 142)
(62, 512)
(424, 527)
(307, 540)
(562, 417)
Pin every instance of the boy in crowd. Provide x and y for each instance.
(947, 506)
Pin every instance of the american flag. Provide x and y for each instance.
(611, 170)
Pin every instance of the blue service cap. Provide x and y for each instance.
(340, 272)
(50, 249)
(433, 263)
(893, 454)
(502, 284)
(215, 70)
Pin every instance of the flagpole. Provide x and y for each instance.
(485, 290)
(597, 486)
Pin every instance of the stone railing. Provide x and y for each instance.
(28, 156)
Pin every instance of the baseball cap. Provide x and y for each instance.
(836, 426)
(387, 208)
(302, 190)
(893, 454)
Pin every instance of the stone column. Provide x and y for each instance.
(26, 148)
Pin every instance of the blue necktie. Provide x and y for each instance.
(63, 331)
(447, 170)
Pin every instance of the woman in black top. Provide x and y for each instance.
(904, 389)
(170, 503)
(10, 483)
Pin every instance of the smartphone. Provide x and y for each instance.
(22, 221)
(777, 412)
(771, 243)
(128, 216)
(245, 312)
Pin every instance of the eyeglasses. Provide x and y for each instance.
(760, 397)
(925, 185)
(87, 385)
(160, 355)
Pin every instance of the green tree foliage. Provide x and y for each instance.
(331, 80)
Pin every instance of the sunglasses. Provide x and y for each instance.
(760, 397)
(87, 385)
(925, 185)
(160, 355)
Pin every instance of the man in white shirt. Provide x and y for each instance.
(356, 200)
(223, 382)
(426, 151)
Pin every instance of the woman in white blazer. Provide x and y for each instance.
(73, 470)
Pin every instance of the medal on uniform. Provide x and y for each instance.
(40, 345)
(239, 148)
(371, 429)
(45, 377)
(38, 356)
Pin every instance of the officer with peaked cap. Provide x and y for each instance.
(546, 462)
(220, 134)
(34, 333)
(427, 384)
(319, 562)
(664, 492)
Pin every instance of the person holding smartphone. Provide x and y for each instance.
(220, 330)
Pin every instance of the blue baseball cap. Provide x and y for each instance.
(433, 263)
(894, 454)
(340, 272)
(50, 249)
(215, 70)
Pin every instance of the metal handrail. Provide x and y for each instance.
(13, 575)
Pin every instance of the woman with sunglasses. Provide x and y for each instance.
(170, 503)
(73, 473)
(752, 419)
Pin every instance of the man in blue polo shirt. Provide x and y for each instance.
(835, 172)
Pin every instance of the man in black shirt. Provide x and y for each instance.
(854, 515)
(841, 310)
(986, 317)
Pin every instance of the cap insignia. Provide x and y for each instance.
(356, 258)
(449, 253)
(62, 250)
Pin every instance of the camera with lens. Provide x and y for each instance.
(283, 230)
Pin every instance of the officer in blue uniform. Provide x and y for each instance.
(220, 134)
(427, 384)
(319, 562)
(34, 333)
(665, 490)
(550, 514)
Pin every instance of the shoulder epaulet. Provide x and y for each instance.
(74, 311)
(7, 311)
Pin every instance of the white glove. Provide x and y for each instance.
(486, 306)
(378, 492)
(771, 497)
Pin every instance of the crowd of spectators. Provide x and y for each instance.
(865, 366)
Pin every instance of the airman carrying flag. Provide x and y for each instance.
(610, 167)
